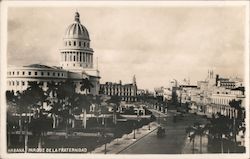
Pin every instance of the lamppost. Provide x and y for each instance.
(134, 128)
(104, 134)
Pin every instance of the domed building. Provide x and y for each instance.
(76, 53)
(76, 63)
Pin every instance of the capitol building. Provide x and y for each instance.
(76, 63)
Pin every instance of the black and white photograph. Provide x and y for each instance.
(125, 79)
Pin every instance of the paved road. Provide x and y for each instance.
(172, 143)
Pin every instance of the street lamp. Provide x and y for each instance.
(134, 128)
(104, 134)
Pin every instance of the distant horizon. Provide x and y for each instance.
(156, 44)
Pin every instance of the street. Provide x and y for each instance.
(174, 140)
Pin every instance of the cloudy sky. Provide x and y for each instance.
(156, 44)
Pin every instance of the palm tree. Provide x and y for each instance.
(34, 98)
(82, 104)
(219, 127)
(115, 100)
(20, 103)
(51, 93)
(10, 100)
(86, 85)
(84, 101)
(238, 119)
(196, 130)
(65, 95)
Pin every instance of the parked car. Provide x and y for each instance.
(160, 132)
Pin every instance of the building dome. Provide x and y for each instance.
(77, 30)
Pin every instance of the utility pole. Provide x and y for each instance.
(105, 138)
(193, 145)
(134, 129)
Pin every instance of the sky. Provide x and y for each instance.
(157, 44)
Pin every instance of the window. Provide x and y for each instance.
(80, 43)
(42, 73)
(74, 65)
(53, 73)
(17, 83)
(74, 58)
(29, 73)
(58, 74)
(84, 44)
(35, 73)
(74, 43)
(23, 73)
(48, 74)
(69, 43)
(66, 43)
(13, 73)
(17, 72)
(13, 83)
(62, 74)
(23, 83)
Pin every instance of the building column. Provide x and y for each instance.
(85, 55)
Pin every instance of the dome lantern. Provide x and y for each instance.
(77, 17)
(76, 29)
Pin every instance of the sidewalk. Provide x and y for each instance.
(120, 144)
(158, 112)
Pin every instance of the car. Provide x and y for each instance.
(160, 132)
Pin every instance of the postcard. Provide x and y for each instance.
(124, 79)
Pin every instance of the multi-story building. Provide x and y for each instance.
(76, 63)
(127, 92)
(209, 97)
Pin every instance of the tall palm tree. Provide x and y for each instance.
(51, 93)
(86, 85)
(115, 100)
(34, 97)
(238, 120)
(196, 130)
(219, 127)
(10, 100)
(82, 104)
(66, 94)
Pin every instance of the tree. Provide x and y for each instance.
(115, 100)
(219, 128)
(82, 104)
(34, 97)
(86, 85)
(196, 130)
(85, 100)
(10, 100)
(66, 96)
(238, 119)
(51, 92)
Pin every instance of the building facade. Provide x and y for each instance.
(213, 95)
(76, 63)
(127, 92)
